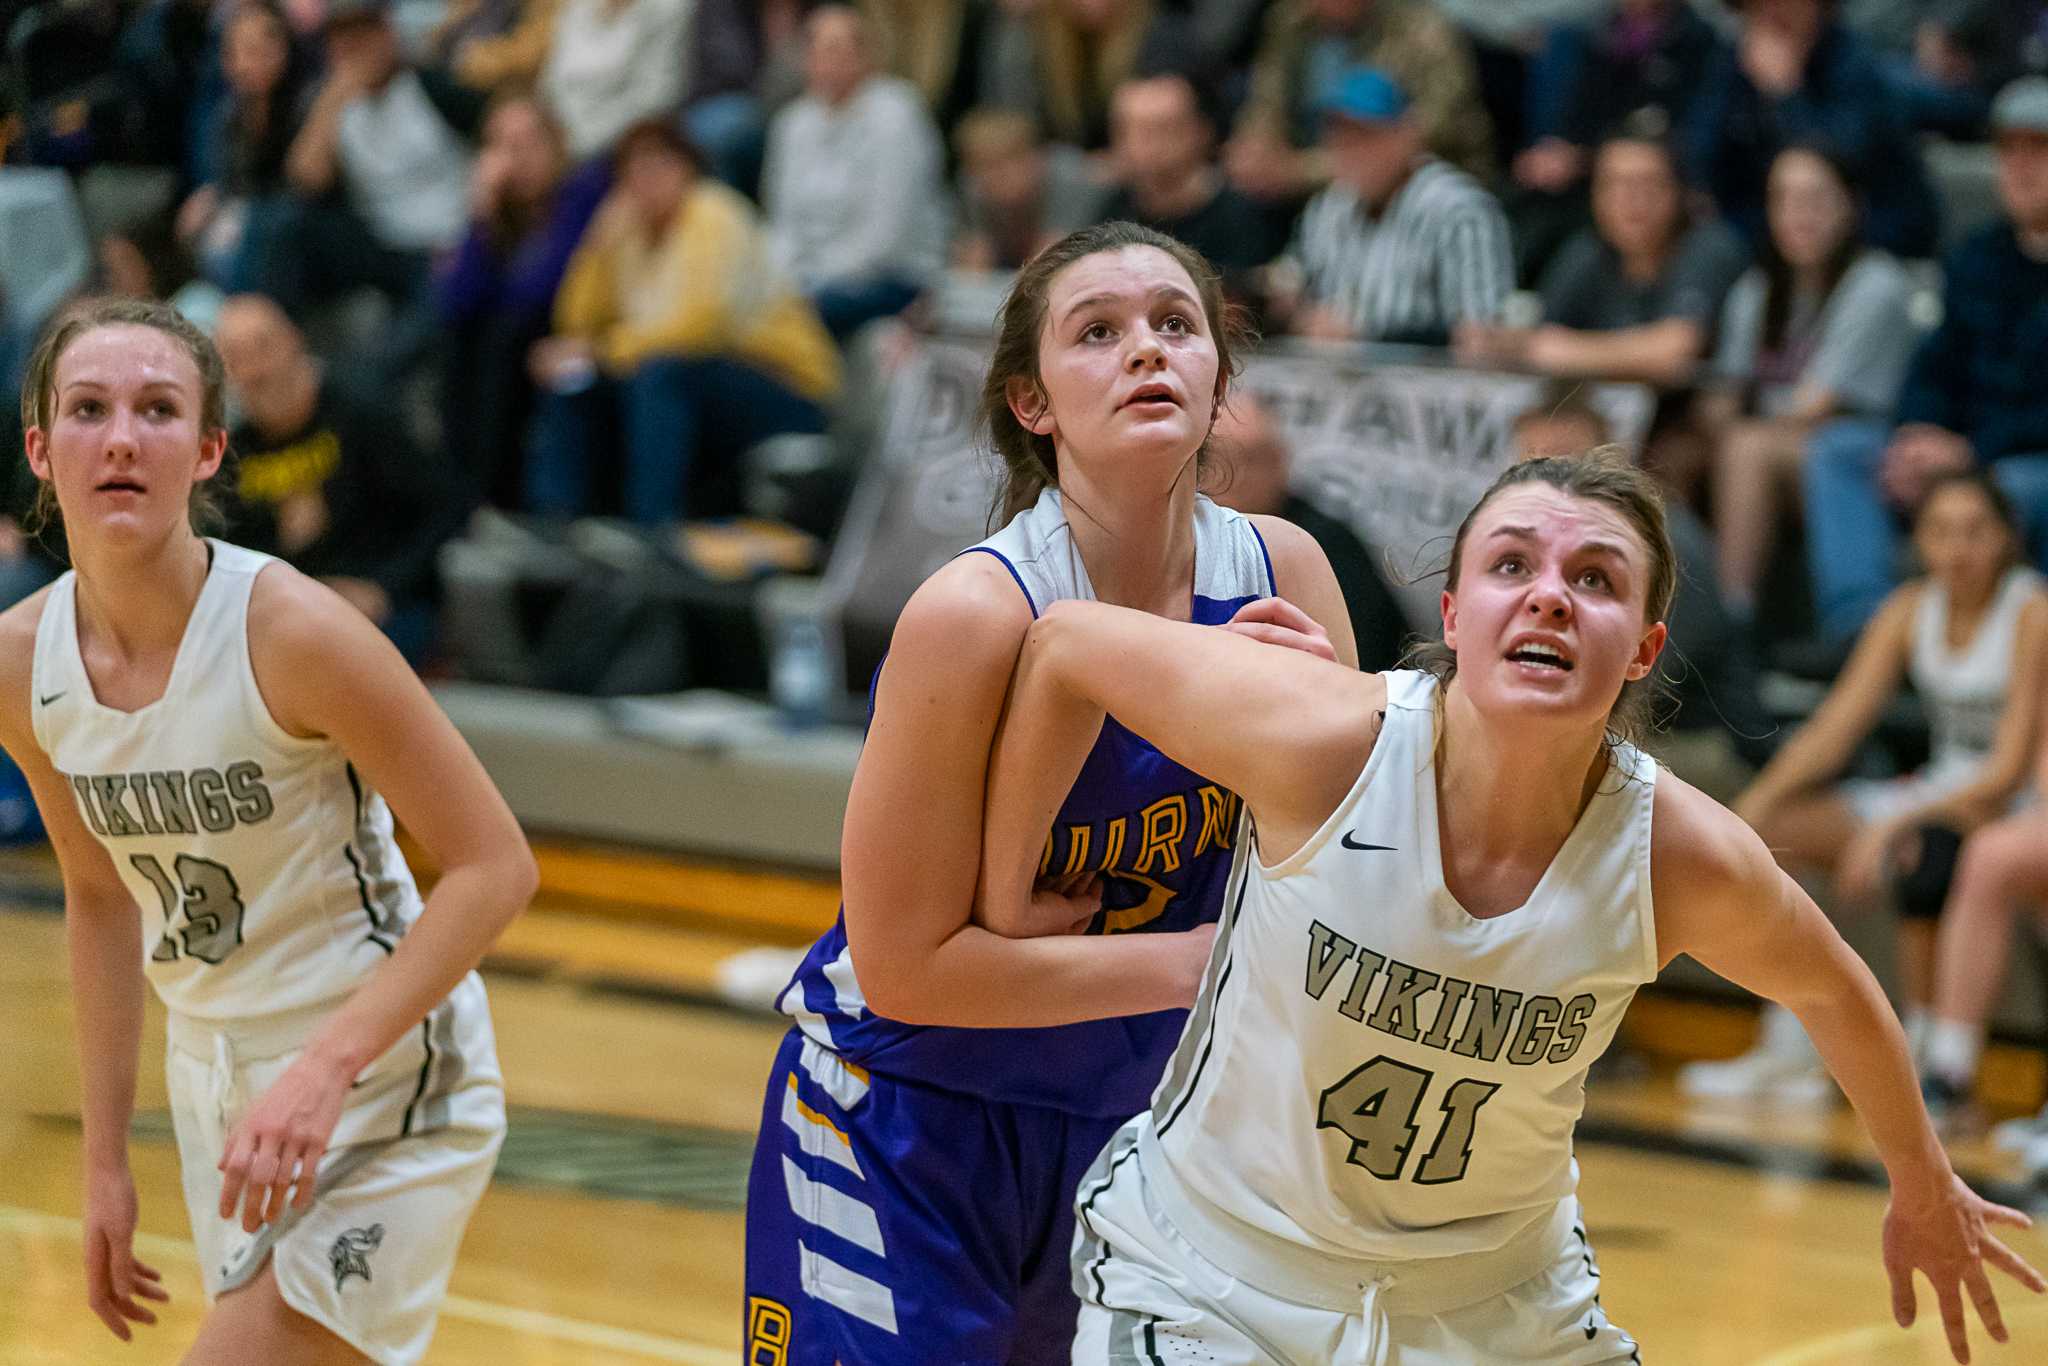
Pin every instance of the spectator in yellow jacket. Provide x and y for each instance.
(672, 327)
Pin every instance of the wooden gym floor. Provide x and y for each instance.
(613, 1232)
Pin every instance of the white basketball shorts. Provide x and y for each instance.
(407, 1164)
(1150, 1298)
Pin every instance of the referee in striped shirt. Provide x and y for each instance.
(1400, 247)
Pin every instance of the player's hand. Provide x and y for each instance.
(1945, 1235)
(116, 1283)
(278, 1144)
(1066, 904)
(1276, 621)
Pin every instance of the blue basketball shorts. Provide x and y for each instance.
(896, 1224)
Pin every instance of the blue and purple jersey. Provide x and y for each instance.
(1160, 835)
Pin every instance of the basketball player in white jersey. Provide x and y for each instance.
(207, 734)
(1455, 881)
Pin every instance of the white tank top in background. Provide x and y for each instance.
(1370, 1073)
(266, 870)
(1965, 689)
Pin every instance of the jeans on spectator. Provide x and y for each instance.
(732, 130)
(846, 306)
(672, 408)
(2025, 480)
(1853, 535)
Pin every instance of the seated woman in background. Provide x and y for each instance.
(527, 212)
(1971, 635)
(269, 92)
(1637, 296)
(672, 313)
(1819, 328)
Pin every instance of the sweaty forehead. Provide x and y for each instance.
(1131, 273)
(1559, 519)
(116, 356)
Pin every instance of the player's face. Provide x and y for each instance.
(124, 446)
(1126, 360)
(1548, 614)
(1961, 539)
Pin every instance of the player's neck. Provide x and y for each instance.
(1513, 786)
(1139, 548)
(138, 603)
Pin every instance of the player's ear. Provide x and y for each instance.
(1647, 650)
(1447, 607)
(36, 442)
(1028, 406)
(213, 448)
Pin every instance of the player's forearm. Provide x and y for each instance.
(470, 907)
(1850, 1022)
(106, 994)
(1045, 737)
(975, 979)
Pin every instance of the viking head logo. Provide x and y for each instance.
(350, 1255)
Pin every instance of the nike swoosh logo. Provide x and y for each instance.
(1350, 843)
(46, 701)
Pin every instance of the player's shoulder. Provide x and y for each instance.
(19, 625)
(1288, 545)
(974, 601)
(300, 629)
(291, 611)
(1698, 845)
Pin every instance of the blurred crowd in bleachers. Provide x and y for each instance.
(563, 258)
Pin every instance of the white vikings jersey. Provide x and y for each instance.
(1370, 1073)
(265, 868)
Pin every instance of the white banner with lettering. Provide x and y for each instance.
(1395, 447)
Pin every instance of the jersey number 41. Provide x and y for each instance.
(1376, 1107)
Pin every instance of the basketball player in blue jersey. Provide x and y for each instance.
(1454, 879)
(946, 1082)
(208, 733)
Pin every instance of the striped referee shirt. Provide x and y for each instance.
(1437, 255)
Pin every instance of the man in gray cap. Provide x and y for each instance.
(1977, 393)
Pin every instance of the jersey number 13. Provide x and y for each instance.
(205, 897)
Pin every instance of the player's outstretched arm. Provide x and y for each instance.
(103, 928)
(912, 846)
(325, 670)
(1287, 731)
(1720, 898)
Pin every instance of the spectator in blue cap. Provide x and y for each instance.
(1401, 246)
